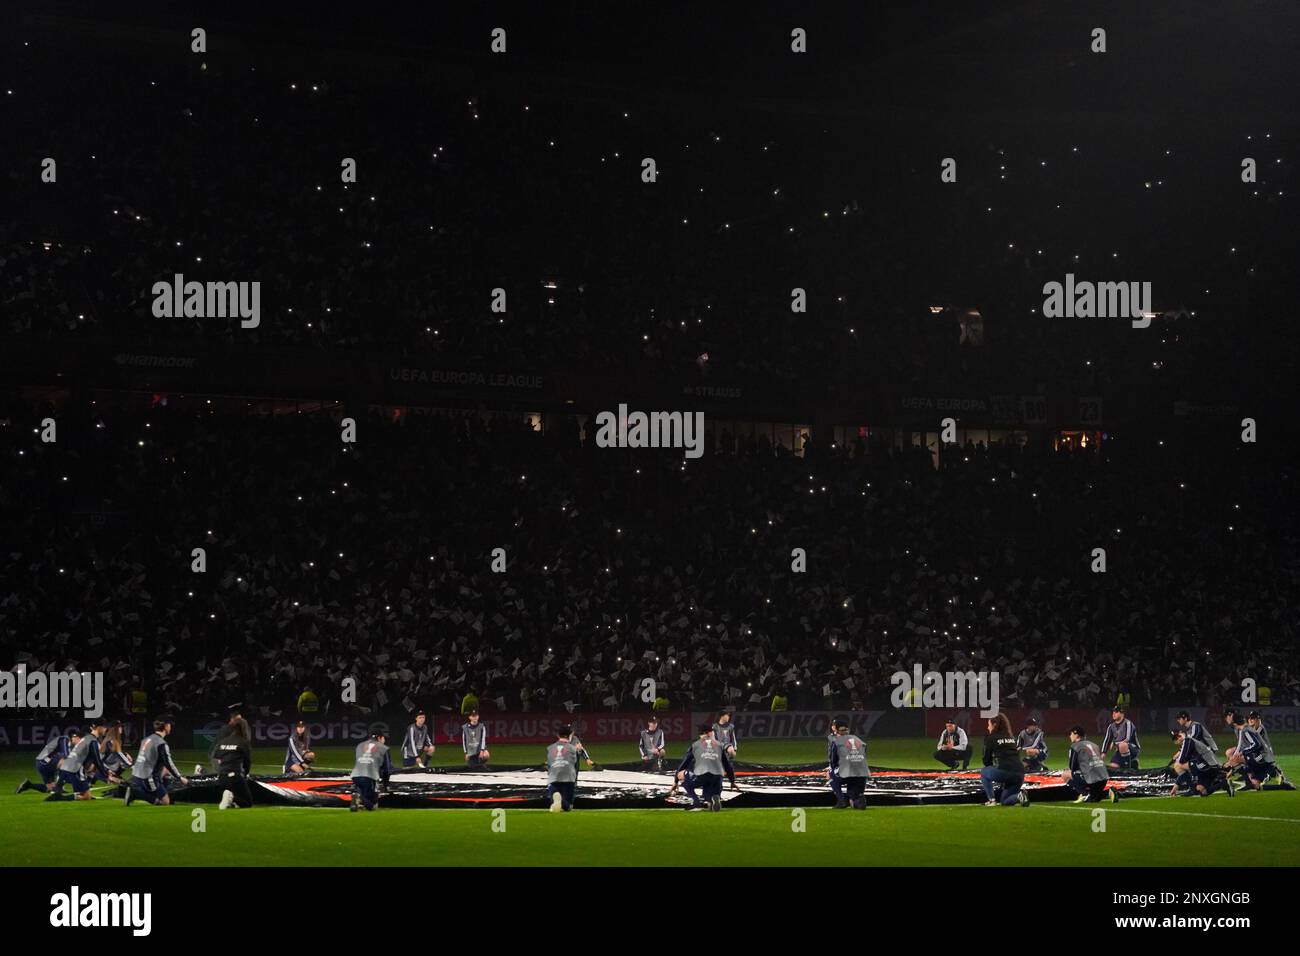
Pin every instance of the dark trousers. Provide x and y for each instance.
(236, 783)
(1010, 780)
(76, 781)
(49, 771)
(1259, 769)
(1123, 762)
(1093, 791)
(475, 761)
(152, 789)
(951, 758)
(710, 785)
(565, 790)
(366, 792)
(853, 786)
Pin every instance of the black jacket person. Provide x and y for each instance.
(234, 757)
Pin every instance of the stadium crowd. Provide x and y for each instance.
(372, 560)
(229, 170)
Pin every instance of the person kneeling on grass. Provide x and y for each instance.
(113, 750)
(953, 747)
(1249, 754)
(372, 767)
(1122, 735)
(298, 755)
(848, 768)
(1268, 762)
(561, 770)
(1198, 769)
(1087, 773)
(1032, 743)
(1002, 765)
(417, 746)
(49, 760)
(147, 782)
(473, 736)
(82, 765)
(705, 764)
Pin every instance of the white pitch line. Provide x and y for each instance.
(1169, 813)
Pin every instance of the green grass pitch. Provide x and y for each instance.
(1160, 832)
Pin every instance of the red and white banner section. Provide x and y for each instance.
(628, 786)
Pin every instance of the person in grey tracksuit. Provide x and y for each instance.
(953, 747)
(473, 737)
(155, 756)
(561, 771)
(371, 767)
(1088, 775)
(724, 731)
(417, 744)
(1198, 769)
(82, 765)
(1032, 744)
(1121, 733)
(652, 744)
(1267, 759)
(705, 764)
(847, 754)
(1196, 730)
(49, 760)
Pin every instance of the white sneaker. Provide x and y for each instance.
(198, 770)
(227, 800)
(557, 803)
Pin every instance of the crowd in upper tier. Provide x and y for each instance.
(231, 171)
